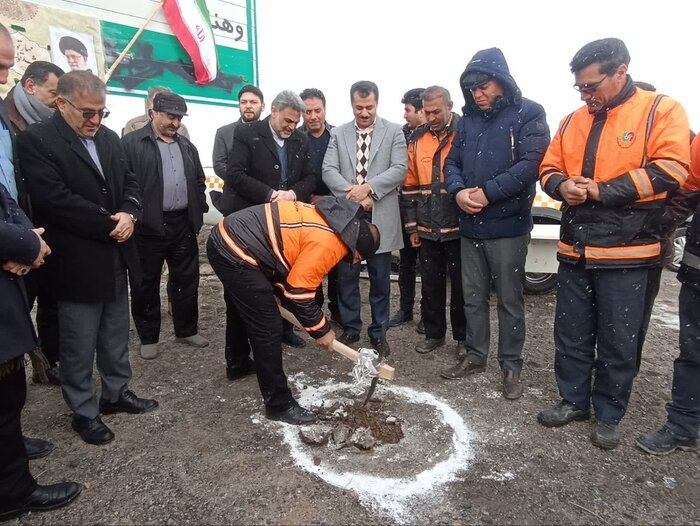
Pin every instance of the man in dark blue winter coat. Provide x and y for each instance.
(491, 173)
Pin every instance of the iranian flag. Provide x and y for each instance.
(189, 20)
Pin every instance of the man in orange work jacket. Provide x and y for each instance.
(612, 162)
(283, 249)
(431, 221)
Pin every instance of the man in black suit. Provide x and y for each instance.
(251, 104)
(268, 162)
(21, 250)
(83, 193)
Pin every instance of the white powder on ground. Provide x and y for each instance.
(397, 497)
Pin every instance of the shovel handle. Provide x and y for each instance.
(386, 372)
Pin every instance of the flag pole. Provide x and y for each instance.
(121, 56)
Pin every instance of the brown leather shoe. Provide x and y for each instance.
(462, 369)
(512, 386)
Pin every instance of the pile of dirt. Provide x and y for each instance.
(383, 427)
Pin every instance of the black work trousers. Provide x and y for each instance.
(46, 314)
(178, 247)
(332, 279)
(15, 480)
(256, 321)
(407, 277)
(437, 260)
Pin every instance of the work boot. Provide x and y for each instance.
(605, 436)
(429, 345)
(420, 328)
(561, 414)
(461, 350)
(400, 318)
(462, 369)
(512, 386)
(665, 441)
(148, 351)
(193, 341)
(381, 346)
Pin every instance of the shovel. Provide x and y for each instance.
(383, 371)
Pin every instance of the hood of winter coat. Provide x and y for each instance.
(489, 62)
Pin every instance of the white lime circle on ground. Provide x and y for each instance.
(396, 497)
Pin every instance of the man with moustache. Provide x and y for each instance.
(84, 194)
(34, 100)
(251, 104)
(171, 178)
(366, 163)
(138, 122)
(319, 133)
(612, 162)
(269, 162)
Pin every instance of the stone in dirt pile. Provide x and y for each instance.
(353, 425)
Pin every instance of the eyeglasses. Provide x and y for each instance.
(89, 114)
(590, 88)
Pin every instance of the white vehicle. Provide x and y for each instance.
(541, 264)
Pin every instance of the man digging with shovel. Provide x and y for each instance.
(283, 249)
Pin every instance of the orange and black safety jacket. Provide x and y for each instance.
(293, 245)
(425, 203)
(637, 151)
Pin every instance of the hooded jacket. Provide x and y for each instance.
(689, 272)
(498, 151)
(294, 245)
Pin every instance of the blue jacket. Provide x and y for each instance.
(499, 151)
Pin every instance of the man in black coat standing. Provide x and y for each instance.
(88, 200)
(270, 162)
(171, 179)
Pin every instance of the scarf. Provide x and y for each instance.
(29, 107)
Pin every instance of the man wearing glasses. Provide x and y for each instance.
(88, 201)
(612, 162)
(491, 172)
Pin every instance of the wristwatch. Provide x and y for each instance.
(133, 219)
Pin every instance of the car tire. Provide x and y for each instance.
(539, 283)
(678, 244)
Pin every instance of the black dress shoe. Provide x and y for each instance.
(237, 372)
(291, 339)
(348, 339)
(429, 345)
(43, 498)
(420, 328)
(92, 430)
(37, 448)
(295, 415)
(128, 403)
(381, 346)
(400, 318)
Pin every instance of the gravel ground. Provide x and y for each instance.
(208, 455)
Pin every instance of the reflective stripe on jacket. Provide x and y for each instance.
(637, 151)
(425, 203)
(293, 246)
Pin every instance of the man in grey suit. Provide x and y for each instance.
(251, 104)
(366, 162)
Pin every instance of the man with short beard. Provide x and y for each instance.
(171, 178)
(251, 104)
(34, 98)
